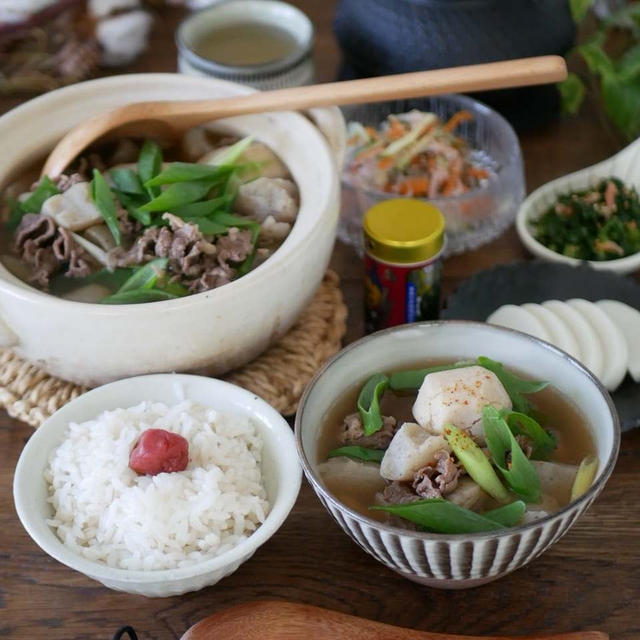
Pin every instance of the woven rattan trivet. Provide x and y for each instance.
(279, 375)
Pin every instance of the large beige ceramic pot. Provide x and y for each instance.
(215, 330)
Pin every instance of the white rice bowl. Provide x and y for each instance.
(106, 512)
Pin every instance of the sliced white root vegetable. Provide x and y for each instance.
(616, 352)
(592, 356)
(514, 317)
(556, 479)
(412, 448)
(627, 319)
(559, 333)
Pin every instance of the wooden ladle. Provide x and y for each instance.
(169, 118)
(290, 621)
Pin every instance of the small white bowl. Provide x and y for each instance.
(281, 472)
(625, 165)
(463, 560)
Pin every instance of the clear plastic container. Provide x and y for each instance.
(473, 218)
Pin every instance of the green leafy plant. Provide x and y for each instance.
(616, 76)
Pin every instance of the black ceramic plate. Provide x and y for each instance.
(520, 282)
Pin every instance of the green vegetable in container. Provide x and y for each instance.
(543, 442)
(369, 403)
(476, 464)
(441, 516)
(584, 478)
(103, 197)
(508, 457)
(357, 453)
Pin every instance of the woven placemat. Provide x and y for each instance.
(279, 375)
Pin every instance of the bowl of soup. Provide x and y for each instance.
(455, 452)
(149, 257)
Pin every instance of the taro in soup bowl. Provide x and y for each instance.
(455, 452)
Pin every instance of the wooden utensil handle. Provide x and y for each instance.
(478, 77)
(290, 621)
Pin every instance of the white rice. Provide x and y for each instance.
(105, 512)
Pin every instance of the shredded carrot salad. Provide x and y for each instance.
(414, 154)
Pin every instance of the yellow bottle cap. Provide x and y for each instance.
(403, 230)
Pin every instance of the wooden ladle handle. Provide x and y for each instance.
(179, 115)
(289, 621)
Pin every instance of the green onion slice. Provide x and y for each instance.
(474, 461)
(358, 453)
(103, 197)
(369, 403)
(508, 457)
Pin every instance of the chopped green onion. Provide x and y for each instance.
(508, 457)
(187, 172)
(45, 189)
(358, 453)
(132, 203)
(127, 181)
(474, 461)
(207, 226)
(201, 209)
(584, 477)
(174, 288)
(413, 379)
(509, 515)
(513, 384)
(369, 403)
(134, 296)
(231, 189)
(231, 220)
(103, 198)
(149, 161)
(179, 194)
(231, 155)
(145, 277)
(247, 263)
(521, 424)
(441, 516)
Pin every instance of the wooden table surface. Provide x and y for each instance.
(589, 580)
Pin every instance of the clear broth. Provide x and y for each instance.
(246, 44)
(561, 416)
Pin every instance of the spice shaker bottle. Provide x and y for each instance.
(404, 241)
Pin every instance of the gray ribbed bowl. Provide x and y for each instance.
(466, 560)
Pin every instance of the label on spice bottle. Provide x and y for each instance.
(396, 294)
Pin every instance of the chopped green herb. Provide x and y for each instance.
(509, 515)
(521, 424)
(188, 171)
(369, 403)
(231, 155)
(207, 226)
(513, 384)
(145, 277)
(600, 223)
(508, 457)
(45, 189)
(247, 263)
(178, 195)
(127, 180)
(133, 296)
(149, 161)
(202, 209)
(231, 220)
(474, 461)
(103, 197)
(441, 516)
(357, 453)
